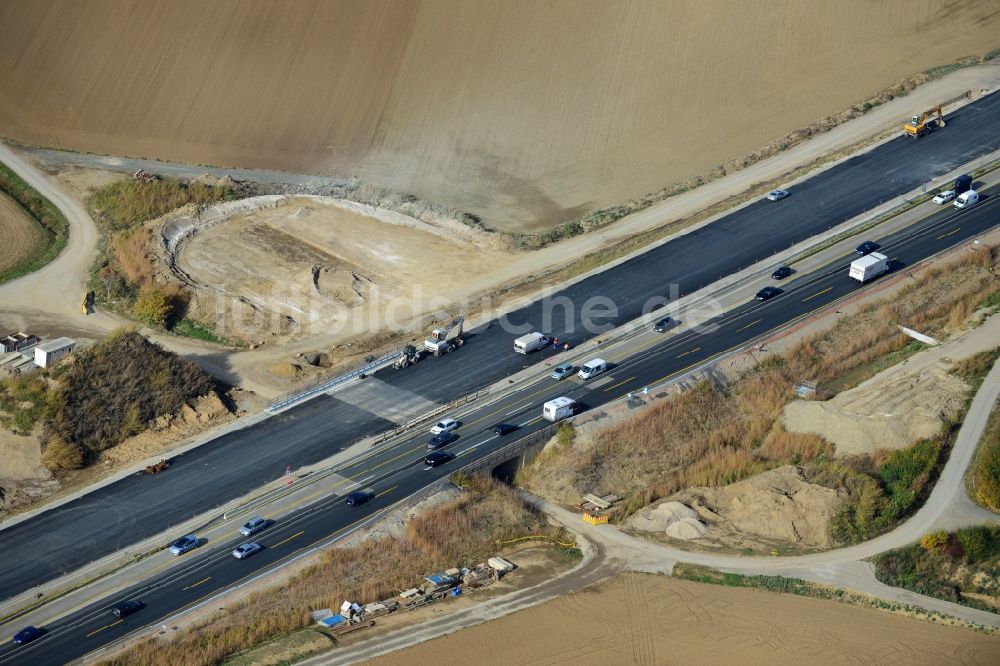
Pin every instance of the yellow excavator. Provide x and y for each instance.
(924, 123)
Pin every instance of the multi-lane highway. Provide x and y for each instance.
(53, 542)
(395, 471)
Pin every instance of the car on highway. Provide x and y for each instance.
(945, 197)
(252, 526)
(781, 273)
(446, 425)
(358, 497)
(776, 195)
(243, 551)
(502, 429)
(126, 608)
(561, 371)
(27, 635)
(184, 544)
(663, 325)
(440, 440)
(866, 248)
(435, 458)
(766, 293)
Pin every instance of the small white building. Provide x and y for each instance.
(47, 353)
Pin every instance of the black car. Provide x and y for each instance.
(867, 247)
(503, 428)
(357, 498)
(27, 635)
(781, 273)
(662, 325)
(126, 608)
(766, 293)
(441, 439)
(436, 458)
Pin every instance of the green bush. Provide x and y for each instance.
(124, 204)
(977, 542)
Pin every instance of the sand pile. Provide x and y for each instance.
(776, 508)
(676, 520)
(892, 410)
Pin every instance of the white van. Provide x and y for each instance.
(560, 408)
(967, 199)
(592, 368)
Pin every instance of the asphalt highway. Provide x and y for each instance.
(72, 535)
(396, 471)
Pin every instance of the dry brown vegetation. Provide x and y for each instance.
(459, 533)
(713, 435)
(527, 114)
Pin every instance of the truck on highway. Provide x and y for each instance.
(530, 342)
(560, 408)
(869, 266)
(444, 340)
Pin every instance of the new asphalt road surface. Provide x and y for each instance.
(72, 535)
(396, 471)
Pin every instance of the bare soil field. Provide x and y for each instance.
(345, 267)
(526, 114)
(22, 237)
(642, 619)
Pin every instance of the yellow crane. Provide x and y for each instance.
(924, 123)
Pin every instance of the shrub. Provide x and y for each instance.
(152, 307)
(124, 204)
(977, 542)
(114, 388)
(61, 455)
(565, 434)
(934, 540)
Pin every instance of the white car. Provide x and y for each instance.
(447, 425)
(776, 195)
(944, 197)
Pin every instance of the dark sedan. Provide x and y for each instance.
(502, 429)
(436, 458)
(27, 635)
(867, 247)
(358, 498)
(438, 441)
(126, 608)
(766, 293)
(781, 273)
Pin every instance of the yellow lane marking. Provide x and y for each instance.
(393, 459)
(107, 626)
(748, 325)
(624, 381)
(818, 293)
(386, 492)
(953, 231)
(297, 534)
(193, 585)
(690, 351)
(533, 421)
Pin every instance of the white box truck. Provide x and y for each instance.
(592, 368)
(560, 408)
(869, 266)
(530, 342)
(967, 199)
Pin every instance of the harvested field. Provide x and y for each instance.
(22, 236)
(639, 619)
(527, 114)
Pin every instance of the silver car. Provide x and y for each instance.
(254, 525)
(184, 544)
(776, 195)
(246, 550)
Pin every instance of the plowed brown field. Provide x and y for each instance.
(650, 620)
(21, 235)
(527, 113)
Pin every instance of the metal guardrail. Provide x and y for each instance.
(454, 404)
(508, 451)
(325, 385)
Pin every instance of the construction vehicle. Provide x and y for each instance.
(87, 306)
(445, 339)
(406, 358)
(924, 123)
